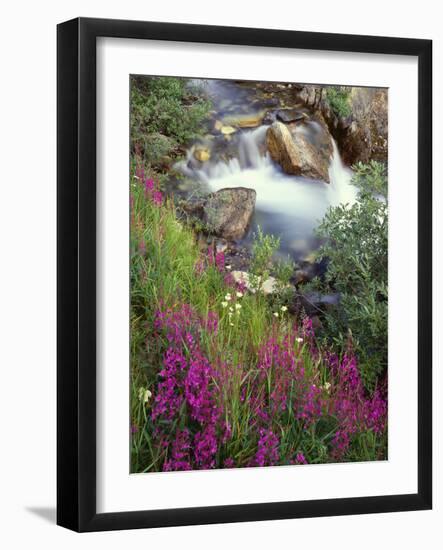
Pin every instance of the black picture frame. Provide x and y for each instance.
(76, 278)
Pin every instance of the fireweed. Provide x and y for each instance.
(257, 392)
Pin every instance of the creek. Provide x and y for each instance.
(289, 207)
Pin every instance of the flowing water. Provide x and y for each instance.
(289, 207)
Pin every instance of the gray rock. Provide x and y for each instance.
(228, 212)
(290, 115)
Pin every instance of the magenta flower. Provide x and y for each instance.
(220, 261)
(267, 453)
(180, 456)
(300, 459)
(205, 448)
(149, 184)
(157, 198)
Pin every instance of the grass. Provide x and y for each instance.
(211, 387)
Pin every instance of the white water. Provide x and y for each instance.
(288, 206)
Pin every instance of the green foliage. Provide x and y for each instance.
(164, 114)
(169, 269)
(371, 177)
(155, 147)
(263, 248)
(284, 270)
(357, 250)
(338, 98)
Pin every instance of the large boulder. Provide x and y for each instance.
(295, 154)
(228, 212)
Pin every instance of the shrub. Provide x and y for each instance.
(371, 177)
(356, 249)
(164, 114)
(338, 98)
(263, 248)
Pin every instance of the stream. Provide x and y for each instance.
(289, 207)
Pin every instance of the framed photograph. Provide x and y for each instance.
(244, 274)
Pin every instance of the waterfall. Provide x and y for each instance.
(288, 206)
(341, 190)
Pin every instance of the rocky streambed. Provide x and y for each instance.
(271, 156)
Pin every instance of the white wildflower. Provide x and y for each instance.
(237, 306)
(228, 267)
(327, 386)
(224, 304)
(231, 309)
(299, 340)
(228, 297)
(232, 324)
(275, 313)
(239, 294)
(144, 395)
(284, 308)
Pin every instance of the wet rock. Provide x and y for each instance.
(295, 154)
(202, 154)
(227, 130)
(282, 149)
(228, 212)
(218, 125)
(250, 120)
(290, 115)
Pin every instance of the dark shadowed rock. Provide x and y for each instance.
(269, 117)
(313, 303)
(228, 212)
(295, 154)
(291, 115)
